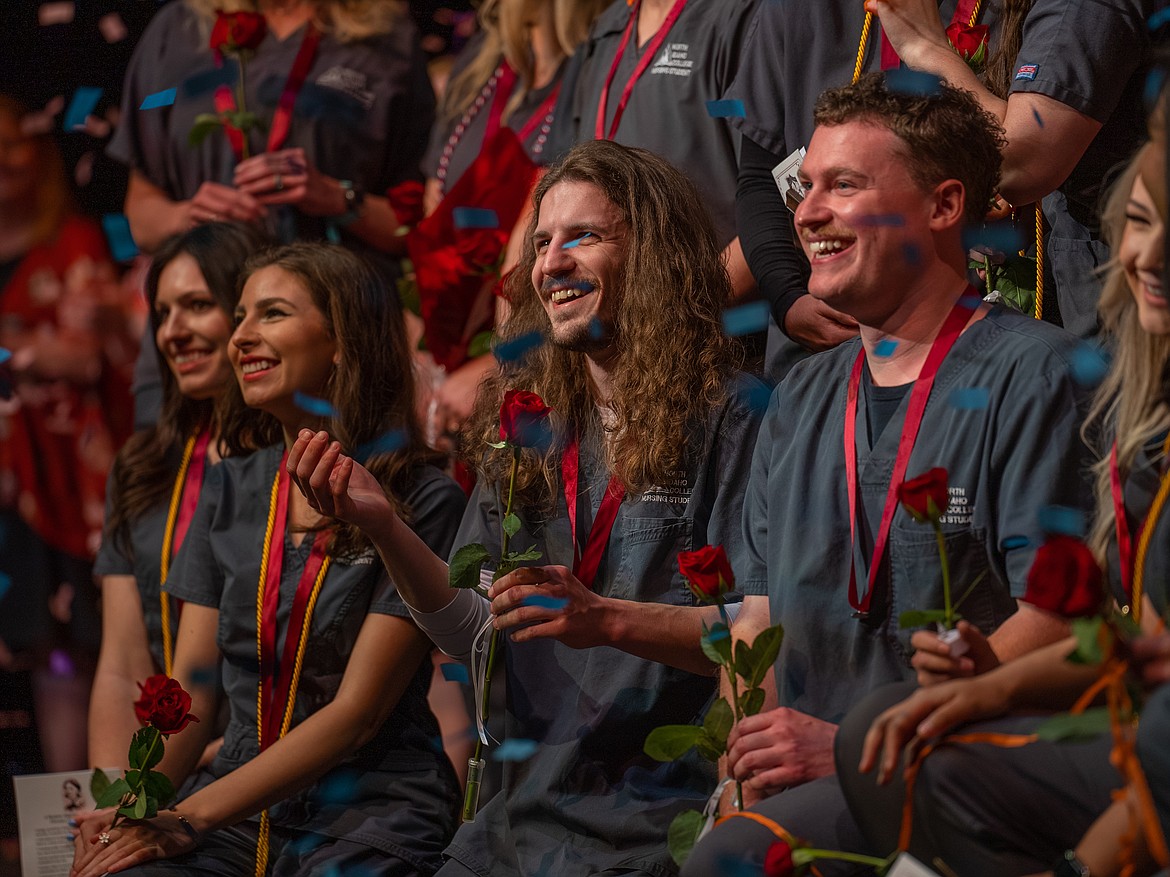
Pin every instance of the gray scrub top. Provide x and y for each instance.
(1006, 461)
(589, 799)
(142, 562)
(667, 112)
(362, 115)
(219, 566)
(471, 141)
(1141, 484)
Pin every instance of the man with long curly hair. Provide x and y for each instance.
(938, 379)
(621, 288)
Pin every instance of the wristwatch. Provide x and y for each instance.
(354, 196)
(1070, 865)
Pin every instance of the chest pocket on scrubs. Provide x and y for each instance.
(916, 579)
(649, 560)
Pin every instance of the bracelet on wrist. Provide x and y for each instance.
(1070, 865)
(192, 832)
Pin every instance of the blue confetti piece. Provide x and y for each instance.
(880, 220)
(340, 788)
(388, 443)
(118, 236)
(305, 844)
(312, 405)
(746, 319)
(911, 255)
(596, 329)
(5, 584)
(1154, 82)
(515, 750)
(731, 866)
(81, 106)
(885, 348)
(725, 109)
(1036, 116)
(971, 302)
(1011, 543)
(1089, 365)
(1159, 18)
(5, 355)
(998, 236)
(475, 217)
(208, 81)
(544, 602)
(758, 397)
(1061, 519)
(576, 242)
(969, 398)
(205, 676)
(517, 348)
(163, 98)
(915, 82)
(718, 634)
(455, 673)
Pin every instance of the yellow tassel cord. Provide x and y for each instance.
(165, 560)
(865, 28)
(1038, 313)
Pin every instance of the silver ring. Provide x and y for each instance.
(104, 838)
(278, 184)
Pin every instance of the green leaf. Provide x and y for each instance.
(134, 778)
(668, 742)
(1087, 632)
(139, 809)
(205, 123)
(716, 643)
(465, 566)
(142, 747)
(763, 654)
(710, 748)
(921, 617)
(718, 721)
(743, 659)
(98, 783)
(683, 834)
(751, 701)
(1089, 725)
(159, 787)
(480, 345)
(511, 524)
(531, 554)
(113, 793)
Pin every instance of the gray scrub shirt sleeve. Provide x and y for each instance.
(1083, 52)
(1043, 461)
(436, 503)
(196, 575)
(111, 560)
(752, 579)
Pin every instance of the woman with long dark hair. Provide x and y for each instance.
(159, 473)
(331, 755)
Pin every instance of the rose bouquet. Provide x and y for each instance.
(523, 424)
(164, 708)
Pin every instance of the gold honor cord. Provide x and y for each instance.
(1143, 546)
(302, 643)
(165, 560)
(1039, 310)
(867, 26)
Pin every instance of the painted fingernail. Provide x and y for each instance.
(70, 838)
(72, 823)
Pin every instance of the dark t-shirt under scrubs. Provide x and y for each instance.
(1003, 419)
(400, 788)
(589, 800)
(667, 109)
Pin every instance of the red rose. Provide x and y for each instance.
(164, 705)
(1065, 578)
(522, 419)
(707, 572)
(969, 42)
(406, 200)
(480, 248)
(234, 31)
(778, 862)
(925, 497)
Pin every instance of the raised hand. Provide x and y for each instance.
(334, 484)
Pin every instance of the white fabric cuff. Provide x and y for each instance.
(453, 628)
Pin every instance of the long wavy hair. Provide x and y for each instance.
(1004, 55)
(346, 20)
(53, 201)
(1130, 405)
(505, 25)
(672, 354)
(371, 388)
(144, 470)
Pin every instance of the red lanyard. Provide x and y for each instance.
(276, 680)
(919, 395)
(192, 486)
(225, 99)
(1121, 522)
(585, 563)
(651, 51)
(505, 83)
(964, 11)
